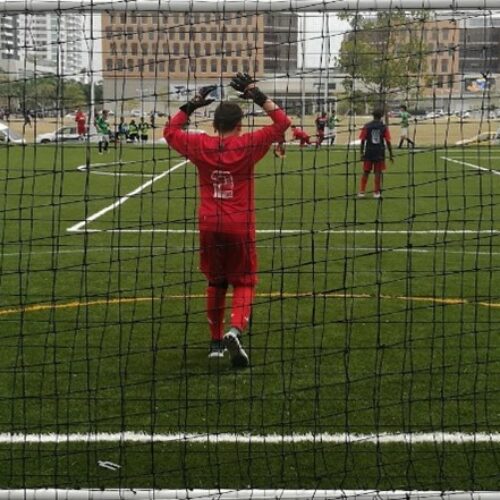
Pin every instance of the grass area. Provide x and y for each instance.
(371, 316)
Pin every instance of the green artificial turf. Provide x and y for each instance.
(371, 316)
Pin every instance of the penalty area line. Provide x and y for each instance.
(243, 438)
(78, 227)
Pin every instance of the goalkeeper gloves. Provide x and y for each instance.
(241, 83)
(199, 100)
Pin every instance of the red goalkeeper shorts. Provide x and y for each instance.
(376, 166)
(228, 257)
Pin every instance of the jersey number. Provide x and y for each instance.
(376, 136)
(223, 184)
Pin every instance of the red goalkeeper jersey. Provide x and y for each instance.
(225, 170)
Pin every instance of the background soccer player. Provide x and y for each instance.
(103, 131)
(301, 135)
(404, 124)
(321, 123)
(81, 121)
(374, 136)
(225, 164)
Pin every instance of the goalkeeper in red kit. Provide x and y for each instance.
(225, 164)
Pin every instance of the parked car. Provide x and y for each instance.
(7, 136)
(63, 134)
(463, 114)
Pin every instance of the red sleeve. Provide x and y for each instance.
(177, 138)
(363, 135)
(260, 141)
(387, 134)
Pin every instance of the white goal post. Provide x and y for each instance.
(12, 6)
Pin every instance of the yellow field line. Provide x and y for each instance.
(334, 295)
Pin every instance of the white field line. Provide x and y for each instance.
(163, 250)
(337, 438)
(77, 227)
(90, 168)
(471, 165)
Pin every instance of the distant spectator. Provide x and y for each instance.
(133, 131)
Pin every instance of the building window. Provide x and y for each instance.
(140, 64)
(130, 33)
(446, 33)
(109, 64)
(197, 49)
(213, 65)
(112, 48)
(203, 65)
(450, 81)
(112, 19)
(109, 33)
(434, 65)
(229, 48)
(119, 64)
(186, 49)
(223, 65)
(249, 50)
(257, 66)
(234, 65)
(124, 48)
(177, 49)
(175, 18)
(217, 49)
(130, 64)
(165, 19)
(133, 18)
(207, 18)
(444, 65)
(440, 82)
(234, 36)
(134, 49)
(151, 64)
(171, 65)
(213, 34)
(182, 65)
(208, 49)
(123, 18)
(203, 33)
(238, 49)
(165, 48)
(151, 35)
(144, 48)
(246, 66)
(182, 34)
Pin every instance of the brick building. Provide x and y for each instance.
(146, 57)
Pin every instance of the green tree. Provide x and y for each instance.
(386, 52)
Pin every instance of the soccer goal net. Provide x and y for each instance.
(365, 290)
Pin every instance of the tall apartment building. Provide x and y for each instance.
(147, 57)
(9, 51)
(181, 45)
(52, 43)
(480, 46)
(280, 43)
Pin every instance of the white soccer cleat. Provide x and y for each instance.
(361, 195)
(239, 358)
(377, 195)
(216, 349)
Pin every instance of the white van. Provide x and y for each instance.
(7, 136)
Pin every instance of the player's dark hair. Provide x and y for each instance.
(403, 107)
(227, 116)
(378, 114)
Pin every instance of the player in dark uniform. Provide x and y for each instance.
(321, 123)
(374, 137)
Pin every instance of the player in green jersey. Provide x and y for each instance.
(404, 124)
